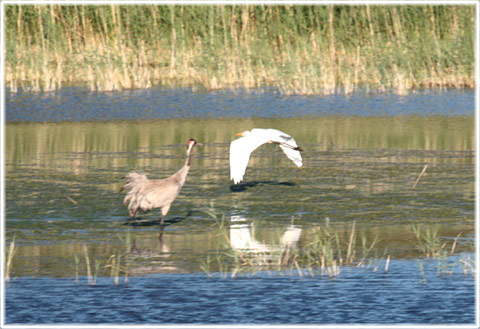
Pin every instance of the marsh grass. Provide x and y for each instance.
(10, 254)
(429, 242)
(296, 49)
(116, 265)
(120, 262)
(76, 262)
(432, 246)
(91, 279)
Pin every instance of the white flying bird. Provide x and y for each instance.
(241, 148)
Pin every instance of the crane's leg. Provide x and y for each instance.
(162, 219)
(163, 214)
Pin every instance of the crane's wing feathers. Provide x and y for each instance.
(145, 194)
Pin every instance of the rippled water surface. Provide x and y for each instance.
(66, 154)
(357, 296)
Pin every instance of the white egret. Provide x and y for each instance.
(241, 148)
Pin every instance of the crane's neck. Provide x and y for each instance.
(182, 173)
(189, 156)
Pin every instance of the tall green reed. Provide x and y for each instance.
(297, 49)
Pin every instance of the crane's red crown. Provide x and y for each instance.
(191, 142)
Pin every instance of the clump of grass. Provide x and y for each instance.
(297, 49)
(218, 216)
(329, 251)
(431, 245)
(429, 242)
(91, 279)
(10, 254)
(117, 264)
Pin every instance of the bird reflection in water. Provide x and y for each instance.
(242, 237)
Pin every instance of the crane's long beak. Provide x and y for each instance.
(239, 134)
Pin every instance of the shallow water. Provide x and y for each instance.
(62, 198)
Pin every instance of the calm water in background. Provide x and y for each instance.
(74, 104)
(362, 156)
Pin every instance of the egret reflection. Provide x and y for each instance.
(242, 237)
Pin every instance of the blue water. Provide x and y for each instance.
(77, 104)
(404, 294)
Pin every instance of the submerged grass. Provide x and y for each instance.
(316, 49)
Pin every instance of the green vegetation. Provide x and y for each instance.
(297, 49)
(117, 263)
(10, 254)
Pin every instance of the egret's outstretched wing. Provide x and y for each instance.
(288, 145)
(292, 154)
(240, 150)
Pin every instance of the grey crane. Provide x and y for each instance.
(146, 194)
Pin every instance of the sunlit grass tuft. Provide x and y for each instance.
(10, 254)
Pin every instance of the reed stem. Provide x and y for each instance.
(11, 253)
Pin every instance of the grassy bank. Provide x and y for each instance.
(297, 49)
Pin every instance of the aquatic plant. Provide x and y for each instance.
(429, 242)
(297, 49)
(10, 254)
(77, 261)
(91, 280)
(117, 263)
